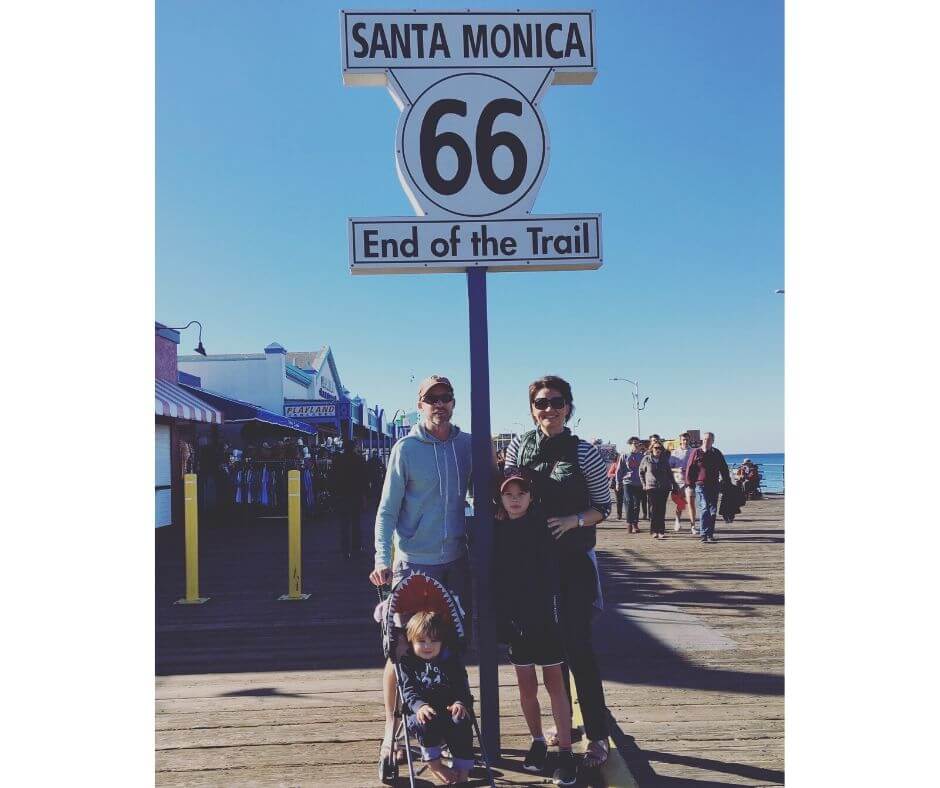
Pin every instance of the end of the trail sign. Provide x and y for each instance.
(536, 243)
(467, 40)
(471, 151)
(472, 145)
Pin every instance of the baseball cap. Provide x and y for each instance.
(518, 475)
(430, 382)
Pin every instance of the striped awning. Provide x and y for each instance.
(177, 403)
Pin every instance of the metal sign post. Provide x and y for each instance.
(471, 151)
(481, 453)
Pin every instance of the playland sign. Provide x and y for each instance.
(471, 147)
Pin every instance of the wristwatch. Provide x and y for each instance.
(580, 519)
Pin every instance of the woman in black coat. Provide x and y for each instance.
(572, 484)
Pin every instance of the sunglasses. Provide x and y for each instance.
(440, 399)
(543, 402)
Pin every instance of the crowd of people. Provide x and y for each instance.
(554, 489)
(648, 474)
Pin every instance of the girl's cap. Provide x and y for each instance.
(518, 475)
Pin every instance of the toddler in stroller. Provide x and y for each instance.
(434, 700)
(436, 691)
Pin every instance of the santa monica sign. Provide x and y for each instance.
(471, 147)
(374, 42)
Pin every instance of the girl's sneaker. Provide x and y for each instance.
(535, 759)
(567, 771)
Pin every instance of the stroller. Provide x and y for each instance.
(417, 592)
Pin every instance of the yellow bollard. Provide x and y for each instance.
(293, 538)
(191, 508)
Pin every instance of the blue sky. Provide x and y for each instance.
(262, 154)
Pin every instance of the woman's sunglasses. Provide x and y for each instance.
(543, 402)
(440, 399)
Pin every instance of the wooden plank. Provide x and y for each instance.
(276, 694)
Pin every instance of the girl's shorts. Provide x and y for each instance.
(543, 651)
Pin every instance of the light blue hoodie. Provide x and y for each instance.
(423, 499)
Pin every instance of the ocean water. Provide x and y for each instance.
(771, 467)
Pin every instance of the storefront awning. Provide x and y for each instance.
(177, 403)
(236, 411)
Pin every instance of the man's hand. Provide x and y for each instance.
(380, 576)
(457, 710)
(425, 714)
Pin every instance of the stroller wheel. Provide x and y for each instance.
(388, 770)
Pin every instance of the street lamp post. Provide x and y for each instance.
(636, 402)
(199, 348)
(394, 423)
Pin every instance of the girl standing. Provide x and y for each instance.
(528, 590)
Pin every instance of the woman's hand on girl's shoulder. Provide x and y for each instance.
(561, 525)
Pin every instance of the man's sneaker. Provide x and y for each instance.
(535, 760)
(712, 539)
(567, 771)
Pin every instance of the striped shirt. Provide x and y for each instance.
(592, 466)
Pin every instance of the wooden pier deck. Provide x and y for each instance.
(254, 691)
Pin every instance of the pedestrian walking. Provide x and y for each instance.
(707, 471)
(656, 476)
(376, 475)
(421, 513)
(628, 477)
(679, 459)
(351, 481)
(570, 480)
(615, 486)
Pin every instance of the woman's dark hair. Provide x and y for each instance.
(560, 385)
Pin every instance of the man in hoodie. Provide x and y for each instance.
(422, 510)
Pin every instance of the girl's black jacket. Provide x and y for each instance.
(526, 578)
